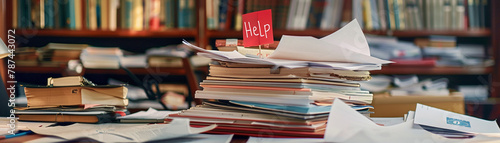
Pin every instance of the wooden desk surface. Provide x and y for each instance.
(236, 139)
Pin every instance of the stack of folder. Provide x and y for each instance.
(73, 99)
(280, 97)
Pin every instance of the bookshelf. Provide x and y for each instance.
(126, 35)
(205, 36)
(172, 33)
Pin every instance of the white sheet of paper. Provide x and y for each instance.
(151, 113)
(430, 116)
(346, 66)
(346, 45)
(284, 140)
(389, 121)
(203, 138)
(346, 125)
(352, 35)
(123, 132)
(48, 139)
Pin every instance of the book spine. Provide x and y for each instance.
(402, 14)
(283, 13)
(447, 14)
(71, 14)
(20, 13)
(417, 10)
(78, 14)
(49, 14)
(460, 14)
(239, 13)
(305, 13)
(316, 13)
(482, 13)
(113, 15)
(382, 14)
(291, 14)
(146, 13)
(357, 12)
(182, 14)
(98, 12)
(471, 12)
(14, 14)
(41, 14)
(337, 13)
(327, 16)
(154, 18)
(367, 14)
(209, 14)
(222, 14)
(104, 14)
(137, 15)
(191, 13)
(374, 15)
(453, 14)
(93, 14)
(230, 14)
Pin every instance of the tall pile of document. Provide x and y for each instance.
(288, 94)
(73, 99)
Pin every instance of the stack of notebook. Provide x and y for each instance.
(284, 95)
(73, 99)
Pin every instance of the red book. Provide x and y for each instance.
(419, 62)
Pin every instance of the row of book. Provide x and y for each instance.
(57, 54)
(421, 14)
(103, 14)
(429, 51)
(371, 14)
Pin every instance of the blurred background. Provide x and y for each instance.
(445, 51)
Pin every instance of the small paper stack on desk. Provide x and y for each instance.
(73, 99)
(288, 94)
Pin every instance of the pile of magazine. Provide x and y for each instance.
(289, 93)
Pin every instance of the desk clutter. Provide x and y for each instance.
(295, 92)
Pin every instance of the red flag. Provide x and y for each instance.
(257, 28)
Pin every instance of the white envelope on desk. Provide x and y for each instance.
(434, 117)
(348, 44)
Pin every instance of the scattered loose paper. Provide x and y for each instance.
(123, 132)
(149, 114)
(347, 125)
(348, 44)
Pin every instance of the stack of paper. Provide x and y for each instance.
(288, 94)
(150, 116)
(101, 57)
(73, 99)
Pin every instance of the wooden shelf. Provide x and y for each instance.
(322, 33)
(140, 71)
(462, 33)
(434, 70)
(171, 33)
(39, 69)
